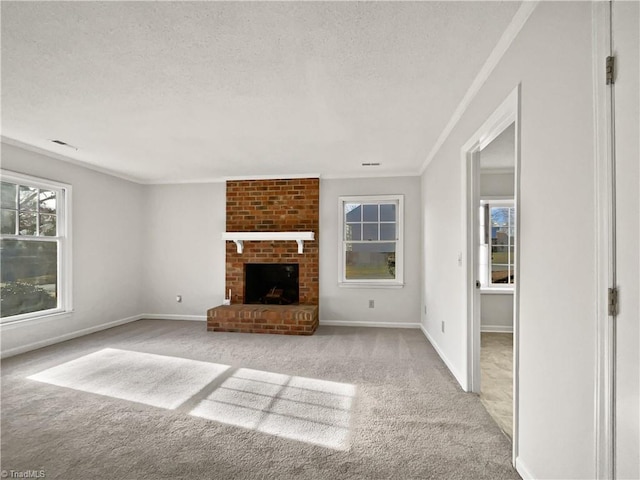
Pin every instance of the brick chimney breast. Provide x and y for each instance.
(287, 205)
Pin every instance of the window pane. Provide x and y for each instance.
(499, 257)
(29, 276)
(369, 261)
(353, 231)
(9, 221)
(9, 198)
(28, 198)
(500, 273)
(500, 216)
(502, 238)
(370, 231)
(48, 225)
(370, 213)
(353, 212)
(388, 212)
(500, 241)
(28, 222)
(387, 231)
(47, 201)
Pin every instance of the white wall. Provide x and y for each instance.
(184, 254)
(497, 163)
(626, 40)
(347, 305)
(153, 242)
(551, 58)
(107, 232)
(496, 184)
(168, 243)
(500, 153)
(496, 312)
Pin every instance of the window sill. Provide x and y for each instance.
(496, 290)
(32, 318)
(370, 285)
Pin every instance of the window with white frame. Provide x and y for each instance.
(371, 237)
(497, 243)
(34, 247)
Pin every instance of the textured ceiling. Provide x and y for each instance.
(193, 91)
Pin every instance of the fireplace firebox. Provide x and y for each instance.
(271, 283)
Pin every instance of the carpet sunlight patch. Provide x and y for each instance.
(308, 410)
(156, 380)
(303, 409)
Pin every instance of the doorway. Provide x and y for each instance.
(492, 254)
(496, 274)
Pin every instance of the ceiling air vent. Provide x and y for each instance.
(64, 144)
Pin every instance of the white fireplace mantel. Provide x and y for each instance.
(240, 237)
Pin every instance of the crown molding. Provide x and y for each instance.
(222, 179)
(271, 177)
(65, 158)
(106, 171)
(411, 173)
(507, 38)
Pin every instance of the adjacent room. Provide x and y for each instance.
(320, 240)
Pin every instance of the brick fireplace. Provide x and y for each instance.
(287, 205)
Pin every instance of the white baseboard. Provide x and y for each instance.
(461, 380)
(496, 328)
(522, 469)
(161, 316)
(344, 323)
(333, 323)
(67, 336)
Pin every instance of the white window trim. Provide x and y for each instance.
(65, 270)
(488, 287)
(496, 290)
(381, 283)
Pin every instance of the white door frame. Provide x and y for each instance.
(506, 114)
(604, 146)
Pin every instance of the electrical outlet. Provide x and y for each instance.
(179, 298)
(371, 304)
(443, 327)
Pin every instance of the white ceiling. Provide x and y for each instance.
(176, 91)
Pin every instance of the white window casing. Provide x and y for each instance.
(485, 253)
(64, 301)
(391, 280)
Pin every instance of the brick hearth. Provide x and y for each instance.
(281, 319)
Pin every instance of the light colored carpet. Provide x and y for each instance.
(167, 400)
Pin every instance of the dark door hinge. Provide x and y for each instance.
(613, 301)
(610, 69)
